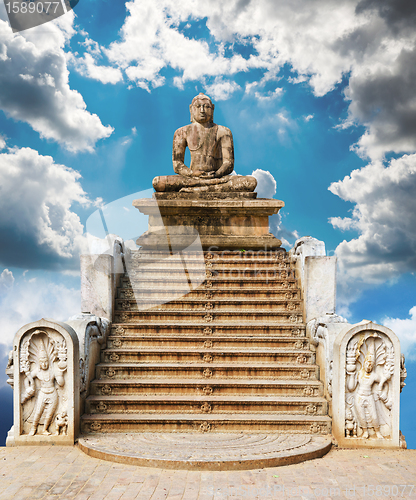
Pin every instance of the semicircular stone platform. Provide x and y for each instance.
(219, 451)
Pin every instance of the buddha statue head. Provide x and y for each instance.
(202, 109)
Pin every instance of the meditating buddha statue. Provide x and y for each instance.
(212, 156)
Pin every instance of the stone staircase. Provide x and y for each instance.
(207, 343)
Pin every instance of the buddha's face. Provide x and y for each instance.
(202, 110)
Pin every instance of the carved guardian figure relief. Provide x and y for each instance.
(369, 390)
(43, 363)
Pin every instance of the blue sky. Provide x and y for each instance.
(319, 95)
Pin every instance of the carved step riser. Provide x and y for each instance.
(205, 407)
(208, 372)
(102, 389)
(208, 357)
(212, 256)
(197, 265)
(143, 274)
(156, 259)
(116, 342)
(292, 427)
(208, 331)
(209, 305)
(201, 294)
(210, 318)
(212, 283)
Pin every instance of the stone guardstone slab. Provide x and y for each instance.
(366, 397)
(237, 221)
(187, 451)
(46, 384)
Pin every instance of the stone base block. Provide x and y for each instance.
(232, 223)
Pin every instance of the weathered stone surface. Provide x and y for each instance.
(100, 271)
(199, 452)
(97, 285)
(219, 224)
(318, 277)
(205, 196)
(92, 333)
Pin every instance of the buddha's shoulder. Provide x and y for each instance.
(183, 131)
(223, 131)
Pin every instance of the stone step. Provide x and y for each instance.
(208, 356)
(207, 317)
(143, 273)
(202, 293)
(135, 422)
(223, 256)
(213, 282)
(221, 387)
(207, 371)
(179, 266)
(174, 328)
(206, 404)
(139, 341)
(201, 305)
(211, 451)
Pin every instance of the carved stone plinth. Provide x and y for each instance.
(236, 222)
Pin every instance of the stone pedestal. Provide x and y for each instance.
(238, 221)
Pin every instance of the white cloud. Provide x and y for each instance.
(35, 88)
(405, 329)
(6, 279)
(37, 223)
(221, 89)
(281, 232)
(31, 301)
(269, 96)
(266, 183)
(322, 41)
(384, 215)
(87, 66)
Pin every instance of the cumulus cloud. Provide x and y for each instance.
(221, 89)
(370, 42)
(278, 229)
(405, 329)
(383, 99)
(266, 183)
(37, 226)
(87, 66)
(266, 188)
(30, 301)
(384, 215)
(35, 87)
(6, 279)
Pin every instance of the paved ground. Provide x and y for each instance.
(56, 472)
